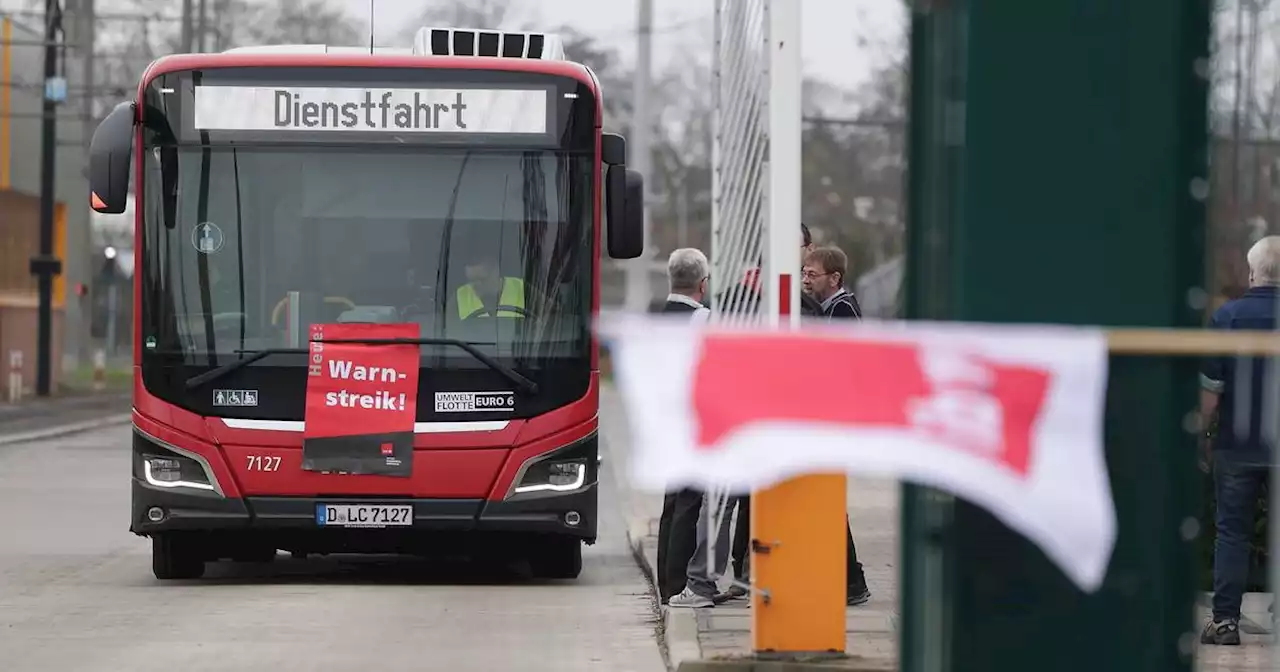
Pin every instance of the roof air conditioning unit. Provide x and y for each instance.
(498, 44)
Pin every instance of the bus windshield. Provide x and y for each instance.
(259, 242)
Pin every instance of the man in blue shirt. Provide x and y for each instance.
(1234, 397)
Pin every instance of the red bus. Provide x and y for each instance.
(281, 189)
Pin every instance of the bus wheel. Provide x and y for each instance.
(175, 558)
(557, 559)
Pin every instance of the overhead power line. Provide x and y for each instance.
(853, 121)
(102, 16)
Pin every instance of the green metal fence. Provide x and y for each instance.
(1057, 160)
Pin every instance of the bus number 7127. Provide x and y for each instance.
(264, 463)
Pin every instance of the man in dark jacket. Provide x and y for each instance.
(687, 272)
(823, 276)
(1236, 397)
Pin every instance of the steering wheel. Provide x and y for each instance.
(227, 320)
(276, 312)
(498, 309)
(422, 308)
(227, 324)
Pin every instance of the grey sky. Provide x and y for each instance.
(842, 39)
(833, 29)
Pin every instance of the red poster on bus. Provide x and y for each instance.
(362, 399)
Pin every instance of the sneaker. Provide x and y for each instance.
(690, 600)
(733, 593)
(856, 597)
(1223, 633)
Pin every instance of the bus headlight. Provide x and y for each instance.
(553, 476)
(174, 471)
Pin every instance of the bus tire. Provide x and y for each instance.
(557, 559)
(175, 558)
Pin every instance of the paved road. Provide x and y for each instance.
(77, 594)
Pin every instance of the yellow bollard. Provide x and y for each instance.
(798, 566)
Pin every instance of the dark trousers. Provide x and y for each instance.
(856, 579)
(677, 539)
(1237, 485)
(741, 538)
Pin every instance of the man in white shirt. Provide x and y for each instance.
(688, 272)
(678, 533)
(692, 583)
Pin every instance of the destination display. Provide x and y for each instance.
(377, 110)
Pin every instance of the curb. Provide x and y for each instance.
(757, 665)
(677, 630)
(678, 638)
(682, 652)
(65, 430)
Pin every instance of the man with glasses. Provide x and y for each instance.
(823, 276)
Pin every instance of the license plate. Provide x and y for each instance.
(364, 515)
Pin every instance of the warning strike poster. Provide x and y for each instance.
(362, 400)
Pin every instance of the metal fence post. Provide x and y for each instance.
(1054, 150)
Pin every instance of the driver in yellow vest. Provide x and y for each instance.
(488, 293)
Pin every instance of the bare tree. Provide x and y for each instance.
(292, 21)
(491, 14)
(127, 47)
(854, 169)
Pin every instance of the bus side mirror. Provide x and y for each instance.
(624, 194)
(613, 149)
(110, 154)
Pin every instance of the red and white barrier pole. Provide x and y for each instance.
(99, 369)
(15, 376)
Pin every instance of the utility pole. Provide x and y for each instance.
(188, 25)
(89, 42)
(682, 214)
(638, 290)
(1250, 92)
(1237, 194)
(201, 27)
(79, 238)
(45, 265)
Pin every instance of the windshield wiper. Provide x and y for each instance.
(526, 386)
(250, 356)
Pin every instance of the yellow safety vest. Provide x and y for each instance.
(470, 305)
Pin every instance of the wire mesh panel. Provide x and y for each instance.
(755, 217)
(755, 177)
(740, 80)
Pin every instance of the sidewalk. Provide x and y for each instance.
(1254, 653)
(35, 418)
(725, 630)
(872, 629)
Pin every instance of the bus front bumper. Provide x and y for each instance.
(156, 510)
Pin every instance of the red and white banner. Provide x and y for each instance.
(362, 400)
(1007, 417)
